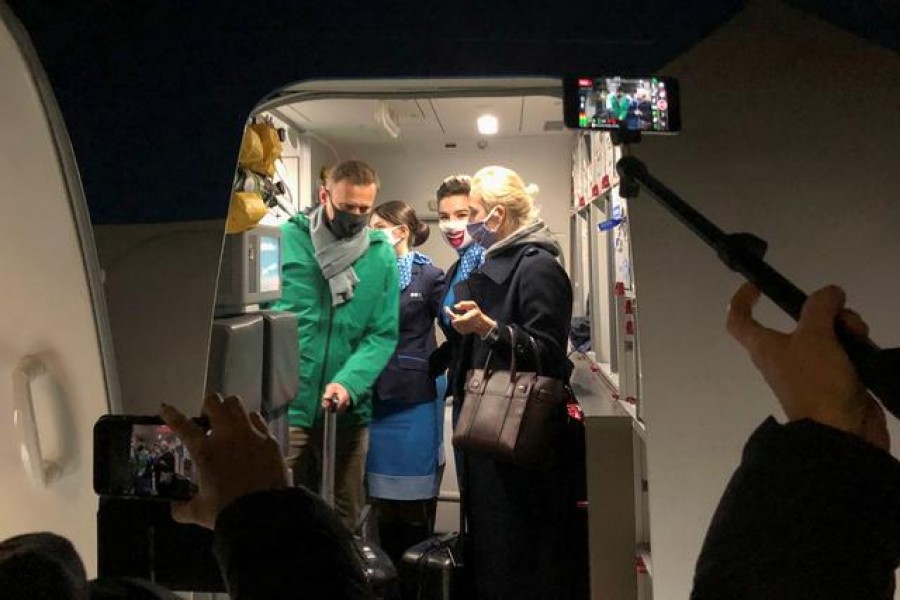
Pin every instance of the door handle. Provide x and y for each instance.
(41, 472)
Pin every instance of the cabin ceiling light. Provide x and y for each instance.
(488, 125)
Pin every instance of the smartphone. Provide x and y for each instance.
(650, 104)
(141, 457)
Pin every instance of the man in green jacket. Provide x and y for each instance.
(340, 279)
(619, 104)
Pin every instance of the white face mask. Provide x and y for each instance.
(388, 232)
(456, 233)
(393, 240)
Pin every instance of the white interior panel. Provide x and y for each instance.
(47, 314)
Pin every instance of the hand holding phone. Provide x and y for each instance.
(152, 458)
(141, 457)
(238, 456)
(467, 317)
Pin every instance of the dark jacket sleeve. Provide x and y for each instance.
(811, 512)
(286, 544)
(438, 290)
(544, 313)
(439, 360)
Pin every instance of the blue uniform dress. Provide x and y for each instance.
(406, 433)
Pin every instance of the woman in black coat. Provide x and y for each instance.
(517, 540)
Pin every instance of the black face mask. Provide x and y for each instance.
(346, 225)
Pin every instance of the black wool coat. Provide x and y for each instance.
(526, 289)
(518, 540)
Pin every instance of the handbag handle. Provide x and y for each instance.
(512, 362)
(512, 366)
(535, 352)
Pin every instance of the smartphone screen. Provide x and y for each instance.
(649, 104)
(140, 457)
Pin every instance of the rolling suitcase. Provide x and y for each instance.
(377, 566)
(433, 569)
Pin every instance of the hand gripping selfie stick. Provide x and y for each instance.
(879, 369)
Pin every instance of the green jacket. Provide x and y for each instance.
(349, 344)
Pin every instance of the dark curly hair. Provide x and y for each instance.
(455, 185)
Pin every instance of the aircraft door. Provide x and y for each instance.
(56, 370)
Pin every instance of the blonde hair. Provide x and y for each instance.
(499, 186)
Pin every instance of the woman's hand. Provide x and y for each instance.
(467, 318)
(808, 369)
(237, 457)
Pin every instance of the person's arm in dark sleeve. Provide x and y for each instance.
(436, 295)
(811, 512)
(545, 306)
(439, 360)
(286, 544)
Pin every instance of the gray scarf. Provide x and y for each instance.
(336, 256)
(536, 234)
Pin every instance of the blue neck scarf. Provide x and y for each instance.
(469, 259)
(404, 266)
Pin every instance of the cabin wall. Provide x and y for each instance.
(160, 283)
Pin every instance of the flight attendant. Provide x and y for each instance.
(405, 454)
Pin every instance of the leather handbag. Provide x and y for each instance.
(513, 416)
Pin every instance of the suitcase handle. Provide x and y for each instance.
(329, 451)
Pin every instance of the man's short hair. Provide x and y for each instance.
(324, 172)
(354, 172)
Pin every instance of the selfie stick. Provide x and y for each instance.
(879, 369)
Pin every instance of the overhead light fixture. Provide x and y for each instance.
(488, 125)
(387, 118)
